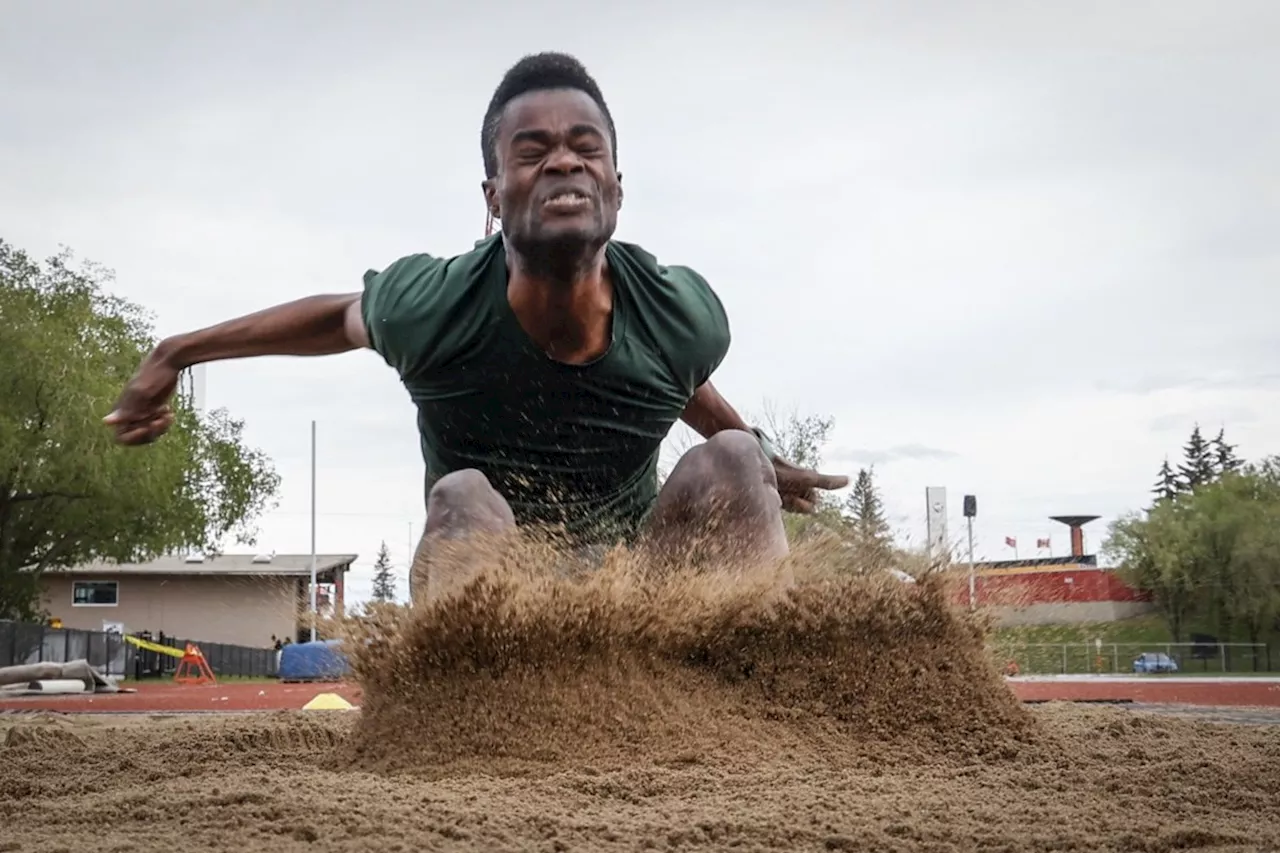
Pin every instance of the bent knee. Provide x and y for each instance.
(730, 457)
(735, 450)
(461, 488)
(466, 502)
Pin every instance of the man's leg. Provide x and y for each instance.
(466, 518)
(720, 503)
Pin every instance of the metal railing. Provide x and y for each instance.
(1119, 658)
(22, 643)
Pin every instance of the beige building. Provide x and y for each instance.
(241, 599)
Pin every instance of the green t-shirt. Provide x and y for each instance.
(573, 447)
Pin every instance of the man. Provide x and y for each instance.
(547, 364)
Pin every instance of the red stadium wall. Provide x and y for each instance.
(1028, 587)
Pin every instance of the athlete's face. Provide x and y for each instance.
(556, 182)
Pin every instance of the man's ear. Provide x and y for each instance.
(489, 186)
(620, 193)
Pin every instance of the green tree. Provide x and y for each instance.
(1256, 576)
(1198, 466)
(1153, 552)
(68, 493)
(864, 511)
(384, 579)
(1225, 460)
(1240, 514)
(1213, 554)
(1217, 520)
(1167, 485)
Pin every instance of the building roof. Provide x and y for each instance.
(278, 565)
(1083, 561)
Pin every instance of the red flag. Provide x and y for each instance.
(1011, 542)
(1042, 543)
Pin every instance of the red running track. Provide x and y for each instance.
(162, 697)
(166, 697)
(1256, 692)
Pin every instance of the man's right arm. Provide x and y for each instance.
(316, 325)
(391, 315)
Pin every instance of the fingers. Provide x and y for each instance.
(131, 413)
(801, 505)
(831, 482)
(125, 413)
(143, 431)
(138, 437)
(800, 481)
(799, 487)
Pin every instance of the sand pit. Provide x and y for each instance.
(1116, 781)
(527, 668)
(628, 712)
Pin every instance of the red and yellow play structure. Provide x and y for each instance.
(192, 666)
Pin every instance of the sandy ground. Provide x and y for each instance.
(1116, 780)
(628, 713)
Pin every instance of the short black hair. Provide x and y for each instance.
(538, 72)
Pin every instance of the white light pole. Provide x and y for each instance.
(972, 590)
(314, 611)
(408, 572)
(970, 510)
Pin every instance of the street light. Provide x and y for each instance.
(971, 510)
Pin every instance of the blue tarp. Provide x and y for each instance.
(319, 661)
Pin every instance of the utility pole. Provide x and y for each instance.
(971, 510)
(314, 610)
(408, 571)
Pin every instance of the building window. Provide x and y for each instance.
(95, 593)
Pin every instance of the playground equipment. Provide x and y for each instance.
(192, 666)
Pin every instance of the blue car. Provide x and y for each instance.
(1154, 662)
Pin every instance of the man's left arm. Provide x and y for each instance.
(709, 413)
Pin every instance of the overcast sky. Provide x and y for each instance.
(1014, 249)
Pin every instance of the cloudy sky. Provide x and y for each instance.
(1014, 249)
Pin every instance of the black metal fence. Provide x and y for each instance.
(110, 654)
(223, 658)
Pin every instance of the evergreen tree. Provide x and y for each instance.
(865, 511)
(1199, 467)
(1167, 485)
(1225, 460)
(384, 582)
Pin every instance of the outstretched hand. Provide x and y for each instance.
(142, 413)
(798, 487)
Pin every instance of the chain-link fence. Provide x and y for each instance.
(110, 654)
(1130, 658)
